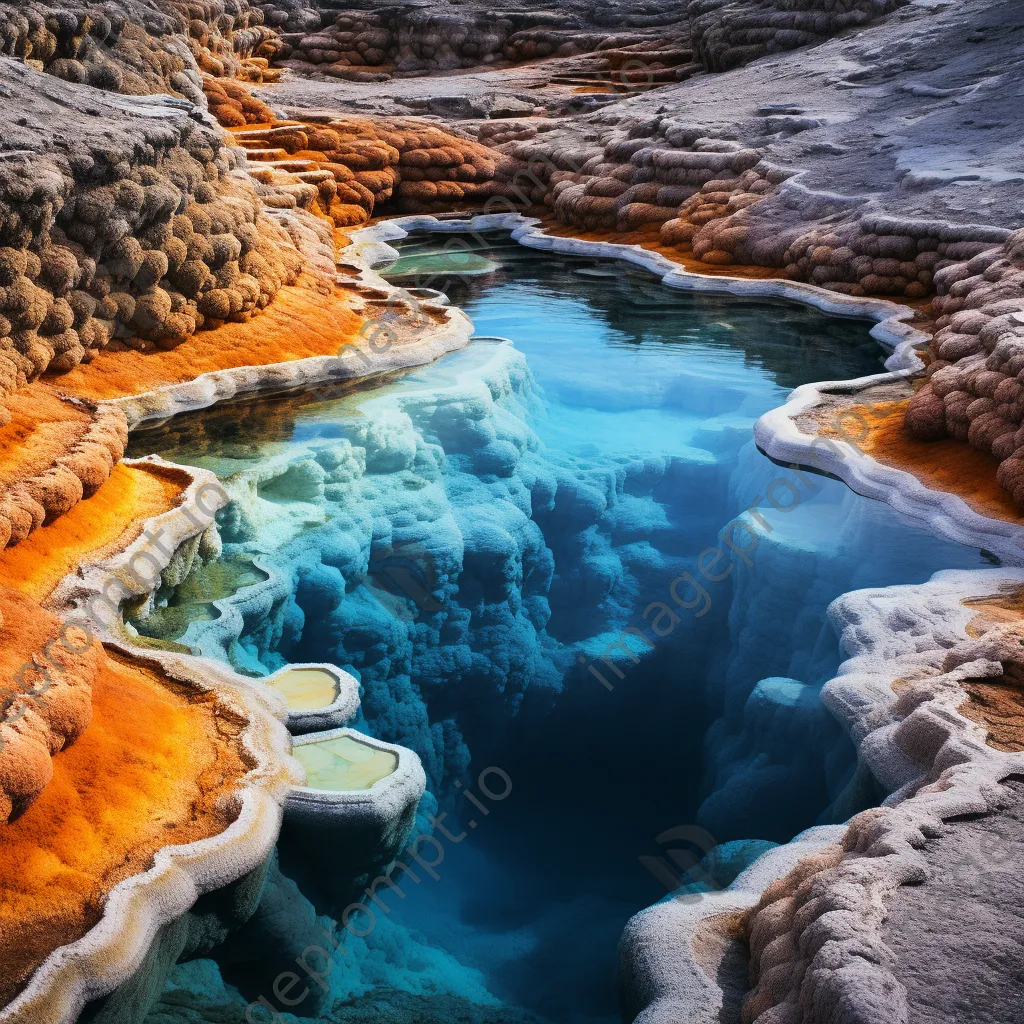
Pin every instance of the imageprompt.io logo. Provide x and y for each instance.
(686, 846)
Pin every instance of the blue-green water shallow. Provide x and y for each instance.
(474, 537)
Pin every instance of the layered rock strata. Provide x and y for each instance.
(728, 33)
(139, 47)
(816, 936)
(346, 168)
(725, 203)
(356, 43)
(972, 392)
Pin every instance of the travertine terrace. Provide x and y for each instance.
(191, 197)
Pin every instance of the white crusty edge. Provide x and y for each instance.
(668, 966)
(664, 968)
(138, 907)
(384, 802)
(776, 432)
(356, 360)
(330, 716)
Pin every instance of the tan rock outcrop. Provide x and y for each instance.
(975, 389)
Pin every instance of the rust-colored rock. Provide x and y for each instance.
(346, 169)
(48, 672)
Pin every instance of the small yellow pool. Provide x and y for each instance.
(306, 689)
(344, 764)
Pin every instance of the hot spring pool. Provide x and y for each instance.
(493, 544)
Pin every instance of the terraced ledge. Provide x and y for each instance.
(367, 357)
(683, 959)
(806, 922)
(319, 696)
(353, 817)
(819, 937)
(374, 808)
(374, 813)
(781, 435)
(137, 908)
(213, 638)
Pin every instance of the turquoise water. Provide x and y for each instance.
(490, 543)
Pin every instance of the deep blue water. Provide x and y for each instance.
(472, 539)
